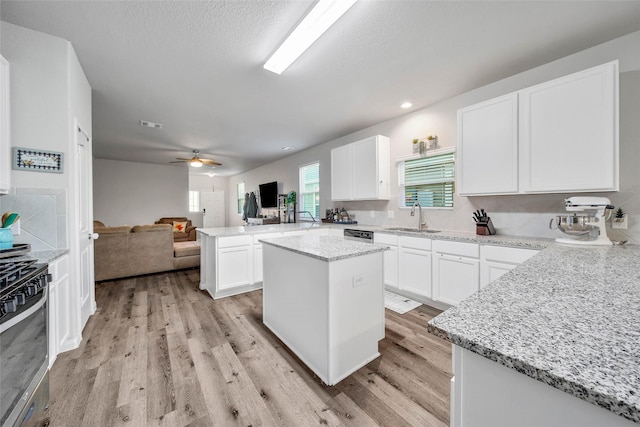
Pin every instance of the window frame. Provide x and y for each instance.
(301, 194)
(401, 178)
(240, 197)
(194, 194)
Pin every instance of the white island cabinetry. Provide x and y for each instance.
(324, 298)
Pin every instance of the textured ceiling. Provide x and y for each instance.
(196, 66)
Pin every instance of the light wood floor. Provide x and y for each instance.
(161, 352)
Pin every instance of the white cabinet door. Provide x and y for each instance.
(342, 173)
(498, 260)
(371, 166)
(361, 170)
(415, 271)
(389, 258)
(234, 267)
(487, 154)
(5, 143)
(454, 277)
(569, 133)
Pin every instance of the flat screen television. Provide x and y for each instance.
(269, 194)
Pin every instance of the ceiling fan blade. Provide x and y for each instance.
(179, 161)
(210, 162)
(183, 159)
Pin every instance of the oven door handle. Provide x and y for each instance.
(25, 314)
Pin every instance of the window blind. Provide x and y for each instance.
(430, 181)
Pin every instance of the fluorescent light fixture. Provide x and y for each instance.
(323, 15)
(406, 105)
(196, 164)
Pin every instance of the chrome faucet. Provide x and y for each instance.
(421, 225)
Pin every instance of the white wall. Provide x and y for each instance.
(138, 193)
(39, 102)
(517, 215)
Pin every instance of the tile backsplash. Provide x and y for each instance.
(43, 216)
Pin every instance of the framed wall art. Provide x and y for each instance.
(34, 159)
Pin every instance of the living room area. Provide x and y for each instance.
(145, 217)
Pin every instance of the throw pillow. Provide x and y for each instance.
(179, 227)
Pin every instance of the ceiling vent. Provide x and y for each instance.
(150, 124)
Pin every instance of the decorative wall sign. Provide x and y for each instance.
(34, 159)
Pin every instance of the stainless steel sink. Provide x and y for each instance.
(412, 230)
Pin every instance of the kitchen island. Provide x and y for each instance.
(324, 298)
(553, 342)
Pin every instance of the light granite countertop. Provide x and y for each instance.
(324, 248)
(569, 317)
(499, 240)
(40, 256)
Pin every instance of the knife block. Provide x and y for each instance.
(485, 228)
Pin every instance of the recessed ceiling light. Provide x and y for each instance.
(406, 105)
(322, 16)
(151, 125)
(286, 148)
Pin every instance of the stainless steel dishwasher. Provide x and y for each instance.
(364, 236)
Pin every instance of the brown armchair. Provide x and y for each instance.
(179, 236)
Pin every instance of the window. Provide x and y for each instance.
(194, 201)
(240, 197)
(309, 197)
(428, 180)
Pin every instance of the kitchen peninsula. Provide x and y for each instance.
(553, 342)
(324, 298)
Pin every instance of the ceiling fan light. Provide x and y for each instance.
(196, 163)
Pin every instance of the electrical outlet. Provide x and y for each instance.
(390, 214)
(15, 228)
(372, 214)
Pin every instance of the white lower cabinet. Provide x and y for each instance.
(235, 262)
(414, 260)
(456, 271)
(498, 260)
(59, 309)
(390, 258)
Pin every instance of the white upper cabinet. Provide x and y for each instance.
(5, 143)
(555, 137)
(569, 133)
(361, 170)
(488, 147)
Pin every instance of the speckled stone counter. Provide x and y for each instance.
(41, 256)
(324, 248)
(256, 229)
(569, 317)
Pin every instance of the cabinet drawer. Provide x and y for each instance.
(506, 254)
(227, 242)
(471, 250)
(415, 243)
(387, 239)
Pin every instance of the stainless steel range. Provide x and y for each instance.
(24, 361)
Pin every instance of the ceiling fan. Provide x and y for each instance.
(196, 161)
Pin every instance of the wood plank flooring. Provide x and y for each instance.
(160, 352)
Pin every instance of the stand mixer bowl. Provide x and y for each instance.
(575, 225)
